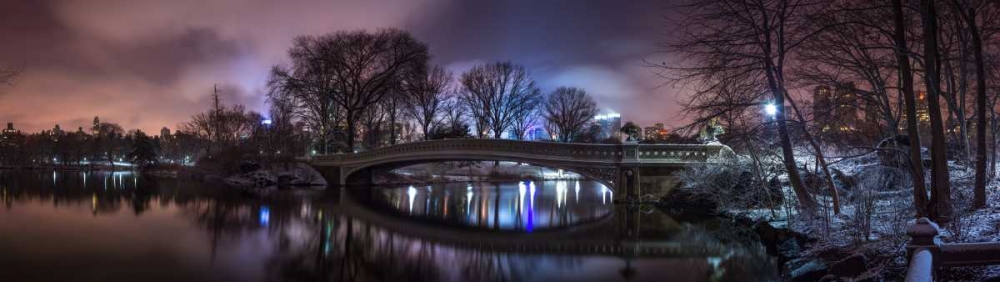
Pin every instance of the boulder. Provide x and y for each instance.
(896, 150)
(252, 179)
(851, 266)
(805, 269)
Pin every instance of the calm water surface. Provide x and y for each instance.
(72, 226)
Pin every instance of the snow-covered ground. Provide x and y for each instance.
(880, 200)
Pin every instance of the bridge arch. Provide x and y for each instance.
(605, 175)
(615, 165)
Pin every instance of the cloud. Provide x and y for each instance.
(150, 63)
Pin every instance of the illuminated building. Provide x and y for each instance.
(656, 132)
(611, 125)
(97, 126)
(165, 132)
(834, 110)
(10, 129)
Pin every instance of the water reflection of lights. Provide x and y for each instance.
(531, 208)
(560, 193)
(265, 215)
(604, 194)
(412, 193)
(327, 233)
(578, 191)
(304, 211)
(502, 206)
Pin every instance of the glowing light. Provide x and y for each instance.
(468, 202)
(412, 193)
(771, 109)
(560, 194)
(578, 191)
(531, 208)
(265, 215)
(604, 194)
(266, 122)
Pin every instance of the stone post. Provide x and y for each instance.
(629, 171)
(924, 235)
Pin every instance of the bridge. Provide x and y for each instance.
(621, 167)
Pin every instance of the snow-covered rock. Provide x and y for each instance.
(259, 178)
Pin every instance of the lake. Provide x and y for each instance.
(76, 226)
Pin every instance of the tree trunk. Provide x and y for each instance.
(940, 204)
(805, 200)
(979, 190)
(834, 195)
(912, 124)
(351, 131)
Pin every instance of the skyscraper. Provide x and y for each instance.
(165, 132)
(834, 110)
(10, 129)
(656, 132)
(611, 125)
(97, 126)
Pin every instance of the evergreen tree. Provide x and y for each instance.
(143, 151)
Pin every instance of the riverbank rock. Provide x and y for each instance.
(299, 174)
(257, 178)
(682, 201)
(805, 269)
(850, 266)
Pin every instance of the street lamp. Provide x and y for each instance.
(770, 109)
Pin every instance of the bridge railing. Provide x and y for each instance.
(927, 253)
(574, 151)
(678, 152)
(597, 152)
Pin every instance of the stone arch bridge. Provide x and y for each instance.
(621, 167)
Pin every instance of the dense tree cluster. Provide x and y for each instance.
(105, 144)
(843, 75)
(358, 90)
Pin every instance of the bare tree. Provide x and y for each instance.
(7, 75)
(372, 121)
(428, 95)
(567, 111)
(309, 85)
(526, 116)
(912, 125)
(940, 204)
(394, 106)
(495, 94)
(354, 69)
(454, 114)
(969, 16)
(859, 50)
(729, 44)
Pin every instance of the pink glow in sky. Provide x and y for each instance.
(148, 64)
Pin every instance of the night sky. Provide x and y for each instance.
(150, 64)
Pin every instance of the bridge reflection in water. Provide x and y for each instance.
(213, 234)
(522, 206)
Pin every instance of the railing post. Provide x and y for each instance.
(924, 235)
